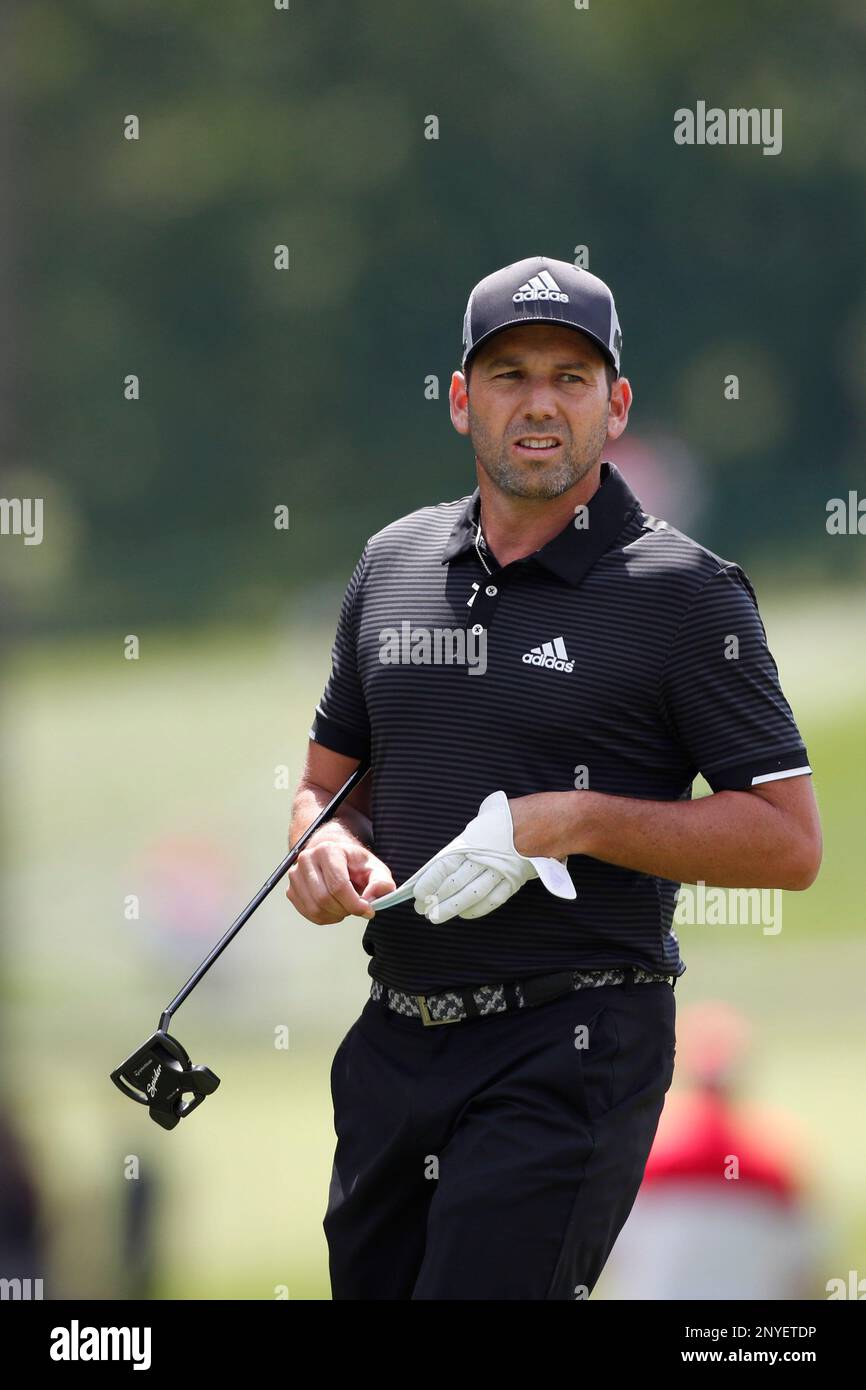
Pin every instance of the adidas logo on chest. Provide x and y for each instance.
(551, 655)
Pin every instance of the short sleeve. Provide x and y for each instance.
(721, 692)
(341, 721)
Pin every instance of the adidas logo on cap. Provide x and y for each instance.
(551, 655)
(542, 286)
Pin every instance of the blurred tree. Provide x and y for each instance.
(305, 387)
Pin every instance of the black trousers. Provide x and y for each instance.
(497, 1157)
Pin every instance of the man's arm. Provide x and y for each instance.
(324, 773)
(337, 873)
(767, 837)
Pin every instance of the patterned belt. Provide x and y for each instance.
(452, 1005)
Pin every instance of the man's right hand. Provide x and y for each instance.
(336, 876)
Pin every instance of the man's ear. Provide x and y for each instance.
(618, 407)
(458, 401)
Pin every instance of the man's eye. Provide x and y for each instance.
(515, 372)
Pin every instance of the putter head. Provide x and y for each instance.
(159, 1075)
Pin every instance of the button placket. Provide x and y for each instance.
(484, 607)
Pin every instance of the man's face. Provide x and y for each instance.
(537, 408)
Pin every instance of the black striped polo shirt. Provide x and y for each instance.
(621, 656)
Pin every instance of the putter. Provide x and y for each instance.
(159, 1074)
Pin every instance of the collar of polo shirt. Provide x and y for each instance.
(576, 548)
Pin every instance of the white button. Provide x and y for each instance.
(476, 628)
(491, 590)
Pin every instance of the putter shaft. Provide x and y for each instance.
(324, 815)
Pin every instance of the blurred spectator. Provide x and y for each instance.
(138, 1235)
(22, 1252)
(724, 1210)
(189, 893)
(663, 472)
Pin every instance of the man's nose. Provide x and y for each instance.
(539, 401)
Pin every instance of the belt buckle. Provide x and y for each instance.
(426, 1017)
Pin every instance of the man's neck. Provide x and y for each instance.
(514, 527)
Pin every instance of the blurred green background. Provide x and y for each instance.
(306, 388)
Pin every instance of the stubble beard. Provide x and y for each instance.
(547, 479)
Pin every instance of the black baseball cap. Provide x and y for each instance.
(541, 290)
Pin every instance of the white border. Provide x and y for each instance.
(777, 776)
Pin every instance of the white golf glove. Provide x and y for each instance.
(479, 870)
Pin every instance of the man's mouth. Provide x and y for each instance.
(538, 445)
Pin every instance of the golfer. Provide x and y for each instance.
(537, 672)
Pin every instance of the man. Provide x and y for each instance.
(496, 1100)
